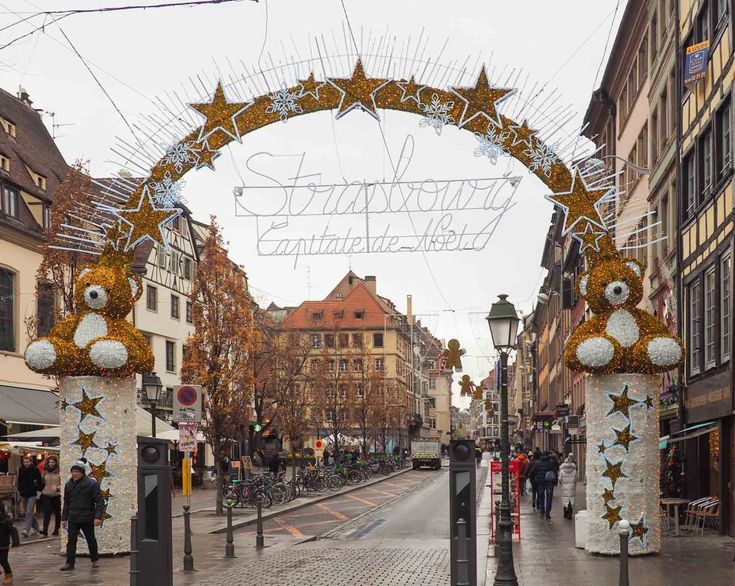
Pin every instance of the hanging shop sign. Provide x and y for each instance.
(695, 62)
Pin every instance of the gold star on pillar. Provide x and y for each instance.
(624, 437)
(482, 100)
(621, 403)
(106, 494)
(612, 515)
(105, 516)
(358, 91)
(220, 115)
(614, 472)
(85, 441)
(639, 530)
(589, 238)
(608, 495)
(601, 447)
(579, 203)
(522, 134)
(410, 90)
(99, 472)
(64, 404)
(648, 402)
(147, 221)
(87, 406)
(310, 87)
(111, 449)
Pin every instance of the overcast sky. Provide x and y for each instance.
(139, 56)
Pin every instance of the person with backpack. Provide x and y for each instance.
(545, 479)
(534, 460)
(8, 535)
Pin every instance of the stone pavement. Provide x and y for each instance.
(546, 556)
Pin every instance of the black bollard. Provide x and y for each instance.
(134, 571)
(463, 571)
(188, 558)
(624, 529)
(230, 547)
(259, 543)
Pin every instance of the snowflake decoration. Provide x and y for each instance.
(437, 114)
(491, 144)
(542, 157)
(167, 192)
(180, 154)
(283, 102)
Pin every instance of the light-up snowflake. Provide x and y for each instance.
(542, 157)
(491, 144)
(436, 114)
(283, 102)
(167, 192)
(179, 154)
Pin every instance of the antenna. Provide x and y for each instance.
(54, 125)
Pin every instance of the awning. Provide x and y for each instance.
(687, 433)
(28, 406)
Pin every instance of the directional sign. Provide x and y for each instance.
(187, 404)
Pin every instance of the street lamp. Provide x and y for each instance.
(503, 321)
(152, 386)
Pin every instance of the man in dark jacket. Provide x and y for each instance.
(30, 484)
(83, 511)
(542, 476)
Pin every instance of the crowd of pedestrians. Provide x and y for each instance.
(545, 471)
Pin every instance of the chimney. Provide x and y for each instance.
(371, 284)
(409, 309)
(24, 97)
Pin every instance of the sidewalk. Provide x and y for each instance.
(546, 556)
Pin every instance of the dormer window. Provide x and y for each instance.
(40, 182)
(338, 314)
(4, 163)
(8, 126)
(316, 315)
(9, 200)
(359, 314)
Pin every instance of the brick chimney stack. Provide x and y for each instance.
(371, 284)
(25, 97)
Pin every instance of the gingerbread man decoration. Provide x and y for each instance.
(466, 385)
(453, 356)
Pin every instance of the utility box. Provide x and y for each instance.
(155, 556)
(462, 505)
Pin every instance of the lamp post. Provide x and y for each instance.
(503, 321)
(152, 386)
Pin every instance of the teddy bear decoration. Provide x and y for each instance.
(452, 356)
(96, 340)
(466, 385)
(619, 337)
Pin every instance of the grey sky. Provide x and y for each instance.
(141, 55)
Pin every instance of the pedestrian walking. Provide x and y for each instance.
(522, 469)
(30, 484)
(8, 537)
(51, 495)
(530, 471)
(83, 511)
(478, 457)
(545, 478)
(568, 484)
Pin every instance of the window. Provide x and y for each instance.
(187, 268)
(161, 257)
(344, 340)
(705, 162)
(46, 309)
(703, 31)
(342, 390)
(151, 298)
(329, 340)
(189, 316)
(338, 314)
(330, 366)
(623, 106)
(725, 301)
(357, 340)
(174, 262)
(7, 310)
(694, 323)
(642, 146)
(378, 340)
(359, 314)
(710, 322)
(663, 217)
(690, 185)
(314, 366)
(10, 201)
(379, 364)
(175, 306)
(4, 163)
(316, 340)
(359, 390)
(176, 223)
(723, 154)
(673, 104)
(632, 85)
(170, 356)
(643, 61)
(358, 364)
(432, 423)
(719, 10)
(40, 181)
(654, 136)
(343, 364)
(46, 216)
(316, 315)
(663, 127)
(432, 383)
(653, 35)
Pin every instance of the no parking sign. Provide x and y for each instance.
(187, 404)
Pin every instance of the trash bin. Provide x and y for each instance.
(580, 529)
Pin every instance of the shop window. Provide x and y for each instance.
(694, 323)
(7, 310)
(725, 301)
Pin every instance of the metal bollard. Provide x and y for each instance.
(624, 533)
(134, 570)
(463, 570)
(259, 542)
(230, 547)
(188, 558)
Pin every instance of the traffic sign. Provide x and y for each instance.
(187, 404)
(319, 445)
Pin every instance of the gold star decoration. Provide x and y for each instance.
(206, 156)
(522, 134)
(64, 404)
(612, 515)
(621, 403)
(624, 437)
(310, 87)
(88, 405)
(86, 441)
(614, 472)
(111, 449)
(220, 115)
(608, 495)
(639, 530)
(579, 203)
(358, 91)
(589, 238)
(147, 221)
(105, 516)
(115, 234)
(99, 472)
(410, 90)
(648, 402)
(482, 100)
(601, 447)
(106, 494)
